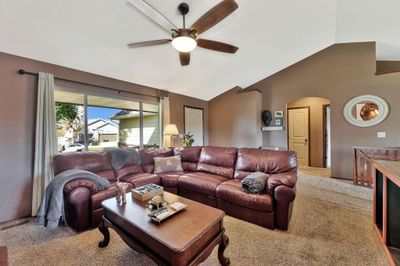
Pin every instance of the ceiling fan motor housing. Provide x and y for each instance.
(184, 33)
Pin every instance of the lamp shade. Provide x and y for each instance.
(171, 129)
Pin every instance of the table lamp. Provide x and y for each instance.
(171, 130)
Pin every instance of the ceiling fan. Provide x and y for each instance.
(185, 39)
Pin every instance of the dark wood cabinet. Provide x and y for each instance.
(387, 207)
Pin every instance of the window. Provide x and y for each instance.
(151, 126)
(87, 122)
(70, 113)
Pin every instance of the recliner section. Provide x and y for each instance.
(211, 176)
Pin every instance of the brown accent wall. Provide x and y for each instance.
(337, 73)
(386, 67)
(17, 122)
(235, 119)
(316, 127)
(177, 103)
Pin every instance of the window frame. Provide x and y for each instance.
(116, 97)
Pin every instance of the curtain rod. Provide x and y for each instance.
(22, 72)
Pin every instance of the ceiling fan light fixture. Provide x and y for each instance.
(184, 44)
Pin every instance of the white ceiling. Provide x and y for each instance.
(91, 35)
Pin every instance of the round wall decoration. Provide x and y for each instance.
(366, 110)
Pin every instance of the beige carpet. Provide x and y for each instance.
(322, 232)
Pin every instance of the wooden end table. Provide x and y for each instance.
(187, 238)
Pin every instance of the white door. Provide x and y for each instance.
(298, 134)
(194, 124)
(328, 137)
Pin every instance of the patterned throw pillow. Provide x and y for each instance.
(167, 164)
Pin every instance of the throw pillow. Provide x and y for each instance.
(167, 164)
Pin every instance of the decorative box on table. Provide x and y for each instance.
(147, 192)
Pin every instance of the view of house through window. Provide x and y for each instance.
(108, 122)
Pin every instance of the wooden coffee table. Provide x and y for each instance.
(187, 238)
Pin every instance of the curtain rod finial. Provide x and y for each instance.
(21, 71)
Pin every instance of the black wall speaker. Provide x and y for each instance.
(266, 117)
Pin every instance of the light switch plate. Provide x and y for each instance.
(381, 135)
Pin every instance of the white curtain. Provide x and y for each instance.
(46, 138)
(165, 119)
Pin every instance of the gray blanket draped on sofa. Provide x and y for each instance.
(52, 204)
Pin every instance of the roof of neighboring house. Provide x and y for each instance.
(97, 120)
(102, 123)
(125, 114)
(107, 124)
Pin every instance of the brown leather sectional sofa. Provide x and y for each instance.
(211, 175)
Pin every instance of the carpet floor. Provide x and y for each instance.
(327, 228)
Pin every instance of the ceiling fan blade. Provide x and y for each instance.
(148, 43)
(185, 58)
(214, 15)
(217, 46)
(154, 15)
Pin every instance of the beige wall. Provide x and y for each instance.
(17, 122)
(235, 119)
(177, 103)
(383, 67)
(337, 73)
(316, 126)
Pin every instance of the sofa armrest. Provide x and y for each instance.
(282, 187)
(80, 182)
(76, 207)
(283, 200)
(288, 179)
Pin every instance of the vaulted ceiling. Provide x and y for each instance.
(91, 36)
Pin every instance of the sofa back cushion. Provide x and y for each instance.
(125, 161)
(129, 168)
(268, 161)
(147, 155)
(217, 160)
(189, 157)
(97, 162)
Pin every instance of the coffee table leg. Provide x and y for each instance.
(104, 230)
(221, 248)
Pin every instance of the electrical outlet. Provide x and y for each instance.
(381, 135)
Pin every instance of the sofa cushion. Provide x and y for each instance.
(97, 162)
(189, 157)
(232, 192)
(141, 179)
(217, 160)
(268, 161)
(170, 180)
(147, 156)
(167, 164)
(127, 170)
(200, 182)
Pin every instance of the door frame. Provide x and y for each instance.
(309, 128)
(324, 134)
(202, 118)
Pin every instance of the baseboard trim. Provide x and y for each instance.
(12, 223)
